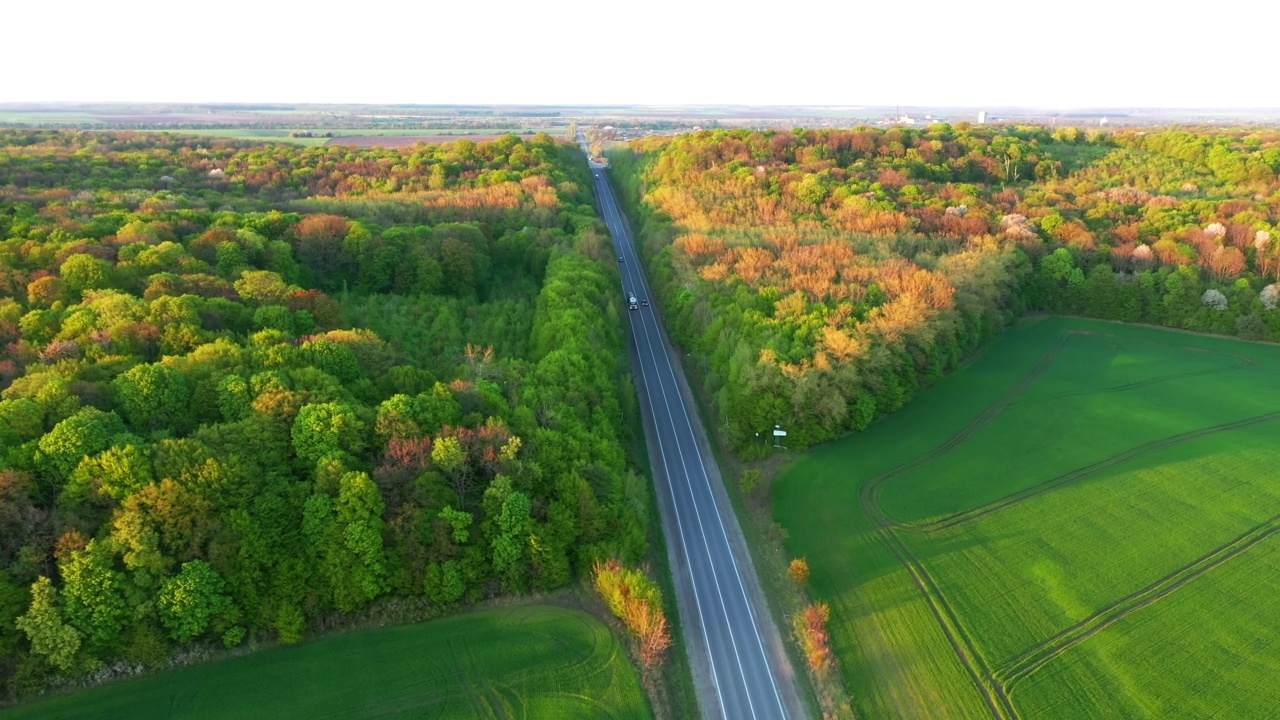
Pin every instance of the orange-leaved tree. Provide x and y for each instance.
(635, 599)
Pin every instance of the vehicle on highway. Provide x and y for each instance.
(631, 303)
(619, 258)
(645, 302)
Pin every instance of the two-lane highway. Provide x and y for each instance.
(736, 652)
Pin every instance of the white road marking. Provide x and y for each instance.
(612, 212)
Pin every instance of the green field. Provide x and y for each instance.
(1080, 524)
(522, 662)
(264, 134)
(52, 116)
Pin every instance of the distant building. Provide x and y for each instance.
(899, 119)
(982, 117)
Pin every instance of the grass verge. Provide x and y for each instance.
(528, 661)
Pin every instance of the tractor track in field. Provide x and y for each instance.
(1030, 661)
(992, 411)
(993, 693)
(1028, 493)
(988, 681)
(992, 690)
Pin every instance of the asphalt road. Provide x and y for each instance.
(738, 661)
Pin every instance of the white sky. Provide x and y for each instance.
(1030, 53)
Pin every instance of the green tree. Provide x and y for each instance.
(189, 601)
(49, 635)
(235, 401)
(810, 190)
(153, 395)
(862, 411)
(94, 594)
(88, 431)
(345, 538)
(359, 513)
(116, 473)
(436, 408)
(21, 419)
(82, 272)
(263, 286)
(324, 429)
(444, 583)
(14, 598)
(40, 326)
(231, 258)
(337, 359)
(459, 521)
(511, 524)
(1063, 282)
(450, 457)
(273, 317)
(1102, 293)
(1183, 290)
(395, 418)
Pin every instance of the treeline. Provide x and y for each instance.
(225, 426)
(56, 164)
(822, 277)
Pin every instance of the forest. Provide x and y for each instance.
(250, 392)
(823, 277)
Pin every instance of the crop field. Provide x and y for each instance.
(1080, 524)
(522, 662)
(11, 116)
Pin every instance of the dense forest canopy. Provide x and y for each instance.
(824, 276)
(247, 390)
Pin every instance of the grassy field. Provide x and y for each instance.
(263, 134)
(522, 662)
(1080, 524)
(8, 117)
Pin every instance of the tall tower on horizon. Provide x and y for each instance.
(982, 117)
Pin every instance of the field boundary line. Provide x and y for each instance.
(1033, 491)
(1027, 663)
